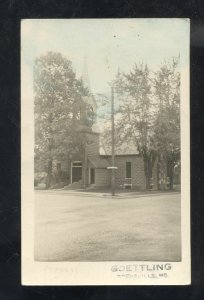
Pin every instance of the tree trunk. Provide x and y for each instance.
(158, 175)
(162, 172)
(171, 173)
(149, 180)
(84, 177)
(148, 172)
(171, 182)
(49, 174)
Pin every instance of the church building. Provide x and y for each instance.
(90, 169)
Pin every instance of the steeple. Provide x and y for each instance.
(90, 99)
(86, 81)
(85, 76)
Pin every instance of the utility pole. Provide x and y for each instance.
(113, 143)
(85, 165)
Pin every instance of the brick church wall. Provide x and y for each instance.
(137, 171)
(102, 178)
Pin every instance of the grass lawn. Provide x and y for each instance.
(79, 228)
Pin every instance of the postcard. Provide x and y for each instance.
(105, 130)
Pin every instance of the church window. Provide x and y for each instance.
(128, 169)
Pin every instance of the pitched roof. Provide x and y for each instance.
(125, 148)
(98, 162)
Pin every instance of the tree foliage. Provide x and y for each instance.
(136, 109)
(149, 115)
(60, 110)
(167, 126)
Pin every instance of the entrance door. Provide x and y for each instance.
(92, 175)
(76, 171)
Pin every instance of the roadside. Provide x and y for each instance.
(107, 193)
(74, 228)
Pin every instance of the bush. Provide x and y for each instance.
(39, 177)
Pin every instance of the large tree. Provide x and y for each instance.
(137, 114)
(149, 114)
(60, 110)
(167, 128)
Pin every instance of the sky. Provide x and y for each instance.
(107, 44)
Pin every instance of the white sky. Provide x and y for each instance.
(108, 44)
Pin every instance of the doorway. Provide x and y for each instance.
(92, 176)
(76, 171)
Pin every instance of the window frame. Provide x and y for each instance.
(130, 164)
(76, 164)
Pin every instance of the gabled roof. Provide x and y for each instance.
(98, 162)
(125, 148)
